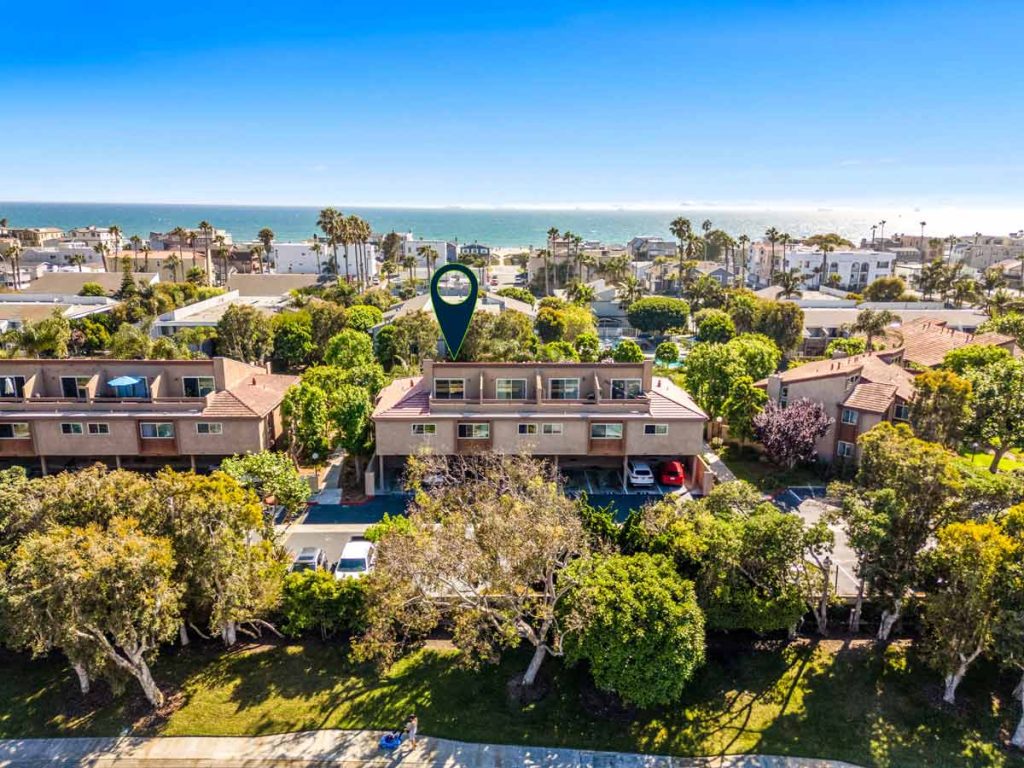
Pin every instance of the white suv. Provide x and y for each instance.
(640, 473)
(356, 560)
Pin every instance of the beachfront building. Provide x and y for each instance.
(983, 251)
(447, 252)
(857, 392)
(93, 236)
(302, 258)
(850, 270)
(585, 417)
(73, 254)
(649, 247)
(195, 238)
(35, 237)
(139, 414)
(475, 251)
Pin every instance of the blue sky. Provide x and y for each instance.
(858, 103)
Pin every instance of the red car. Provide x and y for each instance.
(672, 473)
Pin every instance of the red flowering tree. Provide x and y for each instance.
(789, 434)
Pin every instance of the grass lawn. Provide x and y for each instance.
(1008, 463)
(829, 699)
(746, 466)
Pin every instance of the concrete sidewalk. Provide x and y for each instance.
(343, 749)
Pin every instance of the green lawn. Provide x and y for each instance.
(823, 700)
(1008, 463)
(746, 466)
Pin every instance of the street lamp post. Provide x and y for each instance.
(316, 469)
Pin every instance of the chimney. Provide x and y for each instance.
(254, 381)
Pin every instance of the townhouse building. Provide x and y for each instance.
(858, 392)
(142, 414)
(579, 415)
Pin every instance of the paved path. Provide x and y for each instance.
(342, 749)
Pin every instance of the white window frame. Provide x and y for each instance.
(552, 381)
(16, 427)
(655, 430)
(605, 424)
(625, 388)
(463, 397)
(156, 428)
(527, 428)
(96, 428)
(851, 421)
(474, 425)
(845, 449)
(79, 387)
(198, 379)
(497, 389)
(553, 428)
(421, 429)
(69, 428)
(213, 428)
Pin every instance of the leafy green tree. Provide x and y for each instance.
(744, 402)
(551, 325)
(973, 356)
(627, 351)
(363, 317)
(244, 333)
(520, 294)
(658, 314)
(960, 613)
(385, 346)
(89, 336)
(997, 405)
(780, 321)
(272, 475)
(711, 370)
(92, 289)
(714, 326)
(557, 352)
(885, 289)
(758, 354)
(941, 409)
(637, 625)
(348, 349)
(1009, 323)
(307, 419)
(588, 347)
(377, 297)
(130, 343)
(48, 337)
(502, 338)
(417, 334)
(1008, 632)
(667, 352)
(109, 591)
(389, 525)
(293, 339)
(847, 345)
(327, 319)
(316, 600)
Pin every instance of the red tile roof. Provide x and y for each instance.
(871, 397)
(926, 342)
(256, 395)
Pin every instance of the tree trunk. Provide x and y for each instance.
(1018, 734)
(889, 619)
(153, 694)
(821, 615)
(83, 677)
(855, 612)
(531, 671)
(994, 466)
(228, 633)
(952, 681)
(183, 634)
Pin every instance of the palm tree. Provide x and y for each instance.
(266, 237)
(13, 254)
(222, 252)
(964, 289)
(999, 302)
(706, 226)
(826, 248)
(581, 293)
(630, 291)
(115, 235)
(744, 241)
(681, 229)
(257, 251)
(329, 222)
(993, 278)
(103, 250)
(136, 242)
(552, 237)
(874, 323)
(409, 262)
(772, 236)
(789, 282)
(317, 249)
(172, 262)
(180, 234)
(429, 256)
(577, 252)
(615, 269)
(785, 239)
(77, 259)
(207, 229)
(923, 249)
(146, 249)
(361, 231)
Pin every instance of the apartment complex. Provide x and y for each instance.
(858, 392)
(580, 415)
(926, 341)
(142, 414)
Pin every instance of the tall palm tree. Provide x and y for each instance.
(103, 250)
(409, 263)
(999, 302)
(873, 323)
(317, 249)
(772, 236)
(706, 226)
(924, 250)
(361, 232)
(115, 235)
(146, 249)
(744, 241)
(785, 239)
(180, 234)
(330, 221)
(789, 282)
(136, 243)
(172, 263)
(630, 290)
(991, 279)
(13, 254)
(77, 259)
(553, 234)
(681, 229)
(257, 251)
(826, 248)
(581, 293)
(207, 231)
(222, 252)
(429, 256)
(577, 255)
(266, 237)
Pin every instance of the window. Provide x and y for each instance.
(844, 449)
(198, 386)
(72, 428)
(655, 429)
(852, 381)
(551, 429)
(449, 389)
(901, 412)
(783, 396)
(12, 386)
(849, 416)
(209, 428)
(883, 265)
(75, 386)
(606, 431)
(15, 431)
(99, 428)
(626, 389)
(564, 389)
(474, 431)
(157, 429)
(527, 429)
(510, 389)
(424, 429)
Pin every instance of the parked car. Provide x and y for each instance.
(640, 473)
(356, 560)
(672, 473)
(519, 279)
(310, 559)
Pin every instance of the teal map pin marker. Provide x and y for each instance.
(454, 318)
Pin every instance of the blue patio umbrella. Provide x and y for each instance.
(124, 381)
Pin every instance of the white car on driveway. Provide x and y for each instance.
(640, 473)
(356, 560)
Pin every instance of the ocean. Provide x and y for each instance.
(506, 227)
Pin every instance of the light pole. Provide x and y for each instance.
(316, 469)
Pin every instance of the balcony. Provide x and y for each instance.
(473, 445)
(158, 446)
(17, 447)
(607, 447)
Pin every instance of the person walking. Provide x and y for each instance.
(411, 727)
